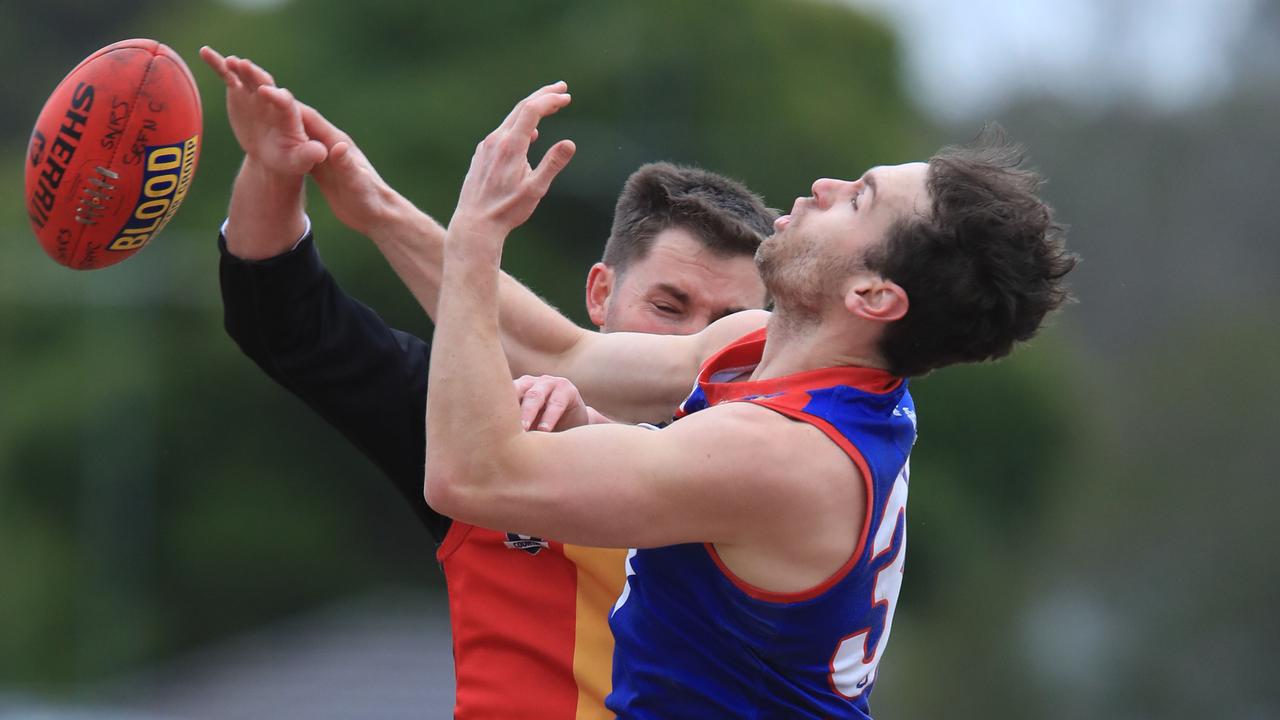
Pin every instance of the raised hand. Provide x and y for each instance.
(266, 119)
(356, 194)
(502, 189)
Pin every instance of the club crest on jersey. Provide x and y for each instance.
(528, 543)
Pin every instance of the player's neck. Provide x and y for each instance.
(798, 344)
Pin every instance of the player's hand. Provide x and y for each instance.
(501, 189)
(266, 119)
(549, 403)
(356, 193)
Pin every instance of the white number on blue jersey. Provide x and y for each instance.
(853, 667)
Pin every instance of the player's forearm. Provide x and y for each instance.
(536, 337)
(413, 244)
(472, 414)
(267, 212)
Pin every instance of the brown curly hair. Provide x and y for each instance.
(983, 269)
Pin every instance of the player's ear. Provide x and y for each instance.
(600, 282)
(876, 298)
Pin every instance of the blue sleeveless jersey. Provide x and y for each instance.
(694, 641)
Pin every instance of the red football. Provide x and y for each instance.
(113, 153)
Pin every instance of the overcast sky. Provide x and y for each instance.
(966, 56)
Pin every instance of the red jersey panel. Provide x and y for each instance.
(530, 622)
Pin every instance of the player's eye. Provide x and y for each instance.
(666, 309)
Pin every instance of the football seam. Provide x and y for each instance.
(133, 107)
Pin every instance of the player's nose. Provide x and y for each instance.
(825, 188)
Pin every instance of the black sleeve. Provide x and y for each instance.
(365, 379)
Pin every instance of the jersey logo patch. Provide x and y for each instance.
(528, 543)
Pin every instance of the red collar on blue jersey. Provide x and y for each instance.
(745, 353)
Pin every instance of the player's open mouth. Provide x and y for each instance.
(781, 223)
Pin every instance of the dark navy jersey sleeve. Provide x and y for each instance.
(364, 378)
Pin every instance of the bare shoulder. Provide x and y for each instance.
(727, 329)
(749, 440)
(796, 501)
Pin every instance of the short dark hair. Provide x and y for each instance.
(983, 269)
(728, 218)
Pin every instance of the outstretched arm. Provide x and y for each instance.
(286, 312)
(474, 424)
(537, 338)
(266, 216)
(713, 477)
(467, 363)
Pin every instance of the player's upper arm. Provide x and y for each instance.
(719, 475)
(637, 377)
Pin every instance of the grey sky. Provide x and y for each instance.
(965, 57)
(1171, 54)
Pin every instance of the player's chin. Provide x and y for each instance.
(767, 258)
(772, 247)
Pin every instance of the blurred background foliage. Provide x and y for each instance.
(1089, 519)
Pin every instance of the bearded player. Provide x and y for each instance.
(769, 520)
(529, 615)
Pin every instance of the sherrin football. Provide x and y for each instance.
(113, 154)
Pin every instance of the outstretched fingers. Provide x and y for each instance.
(553, 161)
(250, 75)
(555, 87)
(526, 120)
(341, 146)
(319, 127)
(238, 73)
(218, 64)
(304, 152)
(280, 99)
(501, 186)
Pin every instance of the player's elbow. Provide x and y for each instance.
(436, 494)
(458, 488)
(440, 487)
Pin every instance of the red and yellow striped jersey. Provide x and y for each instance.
(530, 624)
